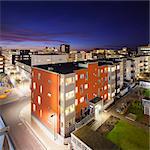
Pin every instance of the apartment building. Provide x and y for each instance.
(41, 59)
(2, 64)
(111, 81)
(65, 91)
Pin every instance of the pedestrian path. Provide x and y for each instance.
(25, 116)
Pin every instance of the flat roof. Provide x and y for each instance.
(94, 139)
(95, 100)
(62, 68)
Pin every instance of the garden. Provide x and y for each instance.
(129, 137)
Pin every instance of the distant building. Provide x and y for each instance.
(64, 48)
(144, 50)
(41, 59)
(2, 63)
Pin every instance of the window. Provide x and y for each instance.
(69, 95)
(32, 74)
(118, 67)
(49, 81)
(76, 89)
(34, 85)
(105, 70)
(85, 86)
(86, 97)
(69, 109)
(69, 80)
(81, 99)
(86, 76)
(39, 100)
(81, 76)
(76, 102)
(98, 72)
(113, 69)
(40, 113)
(95, 95)
(105, 96)
(39, 76)
(41, 89)
(49, 94)
(101, 70)
(108, 69)
(34, 107)
(81, 88)
(76, 76)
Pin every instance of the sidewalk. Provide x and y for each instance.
(25, 116)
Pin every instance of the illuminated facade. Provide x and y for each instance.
(2, 63)
(64, 91)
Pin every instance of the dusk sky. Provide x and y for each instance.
(83, 25)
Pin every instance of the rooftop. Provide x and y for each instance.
(95, 100)
(62, 68)
(93, 139)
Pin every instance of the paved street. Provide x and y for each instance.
(22, 137)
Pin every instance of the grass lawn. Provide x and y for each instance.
(146, 92)
(129, 137)
(136, 108)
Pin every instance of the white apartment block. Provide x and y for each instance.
(48, 59)
(111, 82)
(67, 103)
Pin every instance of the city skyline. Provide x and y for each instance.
(39, 24)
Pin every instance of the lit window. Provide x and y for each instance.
(49, 94)
(34, 107)
(34, 85)
(70, 95)
(101, 70)
(105, 87)
(76, 76)
(41, 89)
(69, 80)
(39, 76)
(39, 100)
(105, 96)
(85, 86)
(102, 97)
(113, 69)
(108, 69)
(105, 69)
(118, 67)
(76, 102)
(76, 89)
(40, 113)
(95, 95)
(69, 109)
(81, 99)
(81, 76)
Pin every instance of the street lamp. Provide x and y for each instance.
(53, 116)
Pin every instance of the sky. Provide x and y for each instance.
(83, 25)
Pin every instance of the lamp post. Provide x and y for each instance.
(53, 116)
